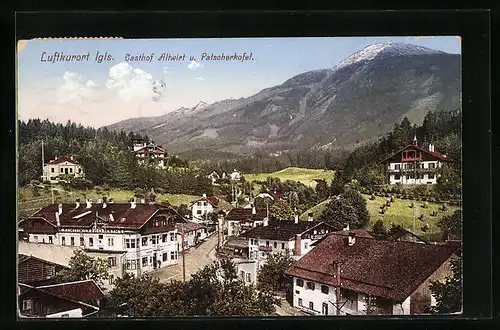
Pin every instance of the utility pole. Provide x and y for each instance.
(43, 162)
(52, 192)
(183, 256)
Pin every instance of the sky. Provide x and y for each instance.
(97, 93)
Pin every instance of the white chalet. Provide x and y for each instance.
(414, 165)
(150, 154)
(235, 176)
(200, 208)
(144, 233)
(62, 166)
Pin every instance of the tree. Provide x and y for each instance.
(379, 229)
(357, 201)
(340, 212)
(281, 209)
(337, 186)
(322, 190)
(451, 224)
(84, 267)
(448, 293)
(272, 274)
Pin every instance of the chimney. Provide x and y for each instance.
(111, 218)
(104, 204)
(415, 140)
(55, 158)
(59, 211)
(351, 239)
(266, 222)
(346, 227)
(71, 157)
(296, 218)
(57, 219)
(310, 216)
(204, 195)
(254, 211)
(89, 203)
(132, 204)
(297, 251)
(77, 204)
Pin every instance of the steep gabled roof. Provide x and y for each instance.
(388, 269)
(427, 151)
(189, 226)
(82, 291)
(245, 214)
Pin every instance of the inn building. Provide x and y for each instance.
(143, 235)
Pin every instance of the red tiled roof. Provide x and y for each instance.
(388, 269)
(212, 200)
(281, 230)
(189, 226)
(151, 149)
(83, 291)
(427, 151)
(359, 233)
(134, 218)
(63, 159)
(242, 214)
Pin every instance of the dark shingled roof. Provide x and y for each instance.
(82, 291)
(359, 233)
(388, 269)
(189, 226)
(241, 214)
(134, 217)
(63, 159)
(281, 230)
(401, 232)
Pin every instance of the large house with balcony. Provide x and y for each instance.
(293, 238)
(150, 154)
(414, 165)
(350, 275)
(239, 219)
(145, 235)
(61, 168)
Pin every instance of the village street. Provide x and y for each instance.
(196, 258)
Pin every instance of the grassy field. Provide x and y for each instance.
(303, 175)
(399, 213)
(29, 204)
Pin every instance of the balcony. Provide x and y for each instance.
(265, 248)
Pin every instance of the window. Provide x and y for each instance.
(164, 238)
(144, 261)
(111, 279)
(324, 309)
(310, 285)
(311, 305)
(165, 257)
(65, 316)
(130, 243)
(112, 261)
(300, 302)
(128, 264)
(50, 239)
(275, 245)
(26, 304)
(324, 289)
(70, 170)
(72, 241)
(397, 177)
(198, 204)
(79, 170)
(63, 240)
(172, 256)
(299, 282)
(306, 245)
(101, 236)
(35, 238)
(43, 240)
(133, 264)
(432, 165)
(52, 170)
(249, 277)
(61, 170)
(430, 176)
(172, 237)
(82, 241)
(144, 241)
(397, 166)
(111, 241)
(154, 240)
(267, 243)
(411, 176)
(198, 212)
(242, 275)
(283, 246)
(91, 241)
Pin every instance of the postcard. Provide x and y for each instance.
(239, 177)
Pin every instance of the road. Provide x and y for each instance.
(196, 258)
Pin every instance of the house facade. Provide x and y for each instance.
(293, 238)
(192, 233)
(349, 275)
(142, 236)
(235, 176)
(62, 167)
(239, 220)
(202, 207)
(415, 165)
(150, 154)
(35, 271)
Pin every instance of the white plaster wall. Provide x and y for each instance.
(72, 313)
(315, 296)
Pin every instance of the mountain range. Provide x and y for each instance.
(359, 99)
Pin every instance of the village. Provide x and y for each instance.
(337, 260)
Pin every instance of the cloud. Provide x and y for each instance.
(73, 88)
(129, 83)
(193, 65)
(200, 78)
